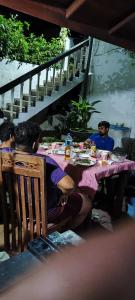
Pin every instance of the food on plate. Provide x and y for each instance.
(85, 162)
(76, 145)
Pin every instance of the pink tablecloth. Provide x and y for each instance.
(87, 178)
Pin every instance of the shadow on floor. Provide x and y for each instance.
(101, 221)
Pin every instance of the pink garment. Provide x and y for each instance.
(86, 178)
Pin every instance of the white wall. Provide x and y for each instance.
(11, 71)
(113, 83)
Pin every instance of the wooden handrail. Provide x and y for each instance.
(38, 69)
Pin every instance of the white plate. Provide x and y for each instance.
(58, 151)
(44, 146)
(84, 156)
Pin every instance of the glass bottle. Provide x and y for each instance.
(93, 149)
(67, 150)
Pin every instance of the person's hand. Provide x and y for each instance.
(87, 143)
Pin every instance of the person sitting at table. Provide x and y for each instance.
(7, 136)
(102, 139)
(62, 198)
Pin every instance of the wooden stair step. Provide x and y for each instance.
(49, 84)
(34, 98)
(16, 108)
(40, 93)
(24, 103)
(26, 97)
(7, 113)
(55, 80)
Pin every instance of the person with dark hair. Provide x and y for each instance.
(7, 136)
(102, 139)
(62, 198)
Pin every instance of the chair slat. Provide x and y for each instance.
(37, 206)
(24, 216)
(30, 207)
(4, 207)
(12, 222)
(18, 213)
(43, 203)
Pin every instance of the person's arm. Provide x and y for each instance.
(66, 185)
(89, 140)
(102, 268)
(110, 145)
(60, 178)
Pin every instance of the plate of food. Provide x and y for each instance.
(85, 162)
(58, 151)
(76, 150)
(44, 146)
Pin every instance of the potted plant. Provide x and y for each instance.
(79, 116)
(74, 117)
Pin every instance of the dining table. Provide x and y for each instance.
(87, 178)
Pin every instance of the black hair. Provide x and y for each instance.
(26, 133)
(7, 129)
(104, 123)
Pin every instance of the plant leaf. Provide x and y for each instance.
(95, 102)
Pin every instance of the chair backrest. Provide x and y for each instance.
(23, 198)
(128, 145)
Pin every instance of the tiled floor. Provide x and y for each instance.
(100, 221)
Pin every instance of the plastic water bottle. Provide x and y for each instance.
(68, 140)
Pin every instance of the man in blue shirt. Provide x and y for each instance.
(102, 139)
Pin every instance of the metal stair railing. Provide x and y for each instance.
(24, 92)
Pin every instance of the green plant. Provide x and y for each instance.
(13, 43)
(18, 43)
(81, 112)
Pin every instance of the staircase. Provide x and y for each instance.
(34, 91)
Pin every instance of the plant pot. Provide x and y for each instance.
(81, 135)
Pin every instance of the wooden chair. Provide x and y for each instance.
(23, 198)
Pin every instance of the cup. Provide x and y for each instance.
(81, 145)
(104, 155)
(53, 146)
